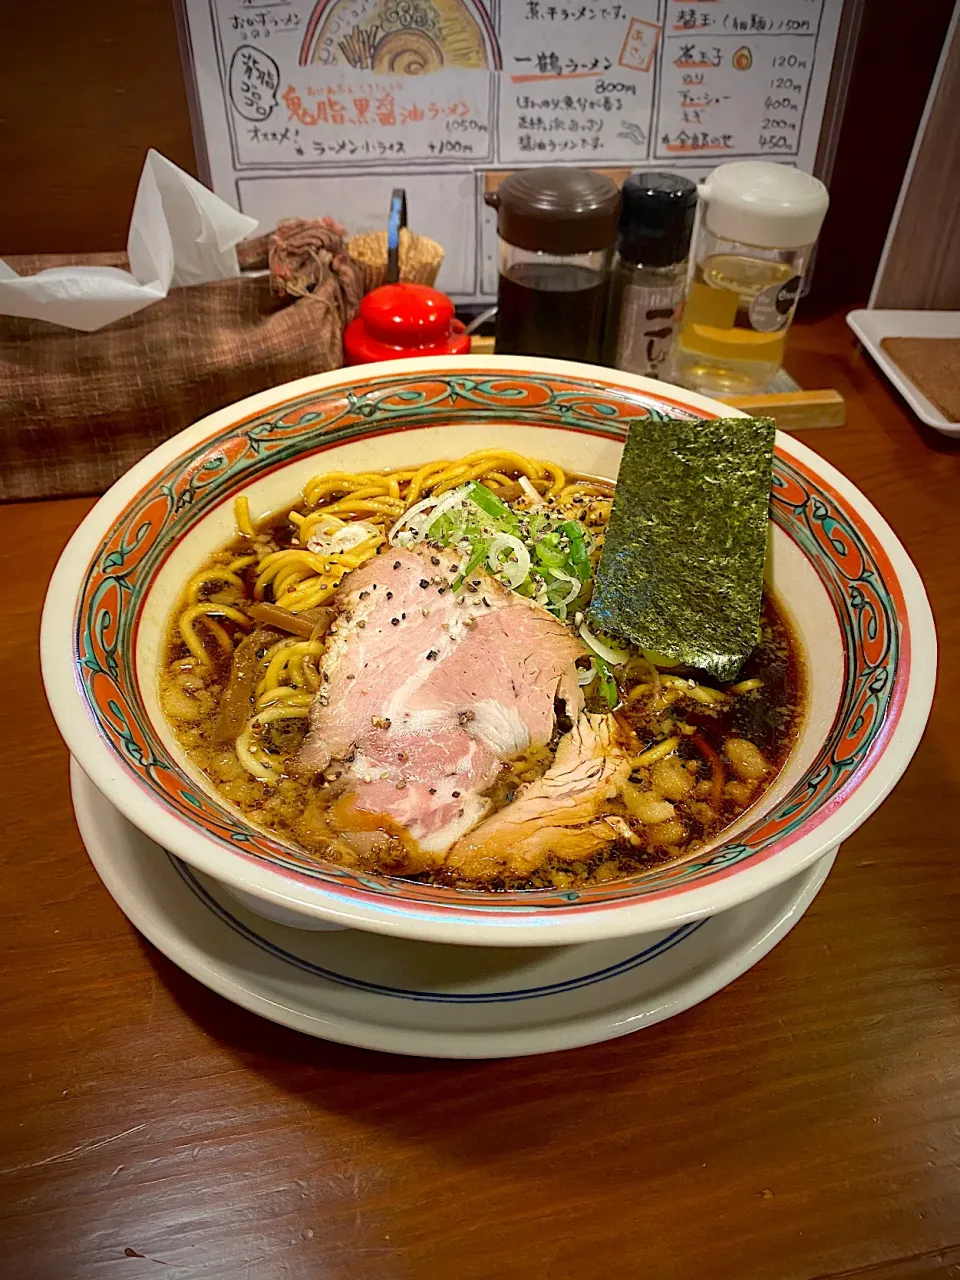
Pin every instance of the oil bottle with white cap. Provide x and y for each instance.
(757, 224)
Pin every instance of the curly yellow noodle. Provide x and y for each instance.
(699, 692)
(316, 561)
(584, 488)
(255, 759)
(747, 686)
(241, 562)
(279, 657)
(241, 513)
(419, 480)
(366, 491)
(385, 506)
(282, 562)
(309, 595)
(653, 754)
(201, 579)
(475, 465)
(287, 579)
(208, 610)
(479, 471)
(339, 482)
(364, 507)
(289, 695)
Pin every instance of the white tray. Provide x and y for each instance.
(871, 327)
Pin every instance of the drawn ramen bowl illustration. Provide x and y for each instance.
(854, 599)
(400, 37)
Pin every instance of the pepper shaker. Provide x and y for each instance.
(649, 276)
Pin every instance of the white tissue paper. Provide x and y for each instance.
(180, 234)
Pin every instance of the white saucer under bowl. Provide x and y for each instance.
(419, 998)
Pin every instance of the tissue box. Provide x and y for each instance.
(78, 409)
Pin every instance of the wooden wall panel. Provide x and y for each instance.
(920, 269)
(86, 90)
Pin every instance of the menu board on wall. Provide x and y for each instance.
(311, 107)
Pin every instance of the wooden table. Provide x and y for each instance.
(803, 1123)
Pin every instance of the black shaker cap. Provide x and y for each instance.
(656, 221)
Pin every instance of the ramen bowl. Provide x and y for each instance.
(855, 601)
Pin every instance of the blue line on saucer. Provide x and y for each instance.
(433, 997)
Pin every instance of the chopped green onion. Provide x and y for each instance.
(478, 554)
(549, 556)
(579, 556)
(608, 686)
(488, 501)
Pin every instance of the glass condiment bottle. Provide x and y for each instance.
(556, 228)
(650, 273)
(756, 228)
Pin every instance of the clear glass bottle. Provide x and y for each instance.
(650, 273)
(756, 229)
(557, 228)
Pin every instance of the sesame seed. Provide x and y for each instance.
(433, 791)
(364, 594)
(401, 784)
(396, 564)
(434, 560)
(440, 590)
(362, 625)
(351, 677)
(431, 655)
(424, 582)
(389, 595)
(455, 794)
(394, 622)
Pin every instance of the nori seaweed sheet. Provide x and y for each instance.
(681, 571)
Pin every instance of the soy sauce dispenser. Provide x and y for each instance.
(556, 228)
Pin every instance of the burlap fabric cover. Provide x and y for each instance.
(78, 409)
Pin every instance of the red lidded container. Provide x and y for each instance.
(399, 320)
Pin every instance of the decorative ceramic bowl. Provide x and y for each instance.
(855, 599)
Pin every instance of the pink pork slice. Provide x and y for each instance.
(426, 690)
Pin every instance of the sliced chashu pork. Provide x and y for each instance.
(558, 816)
(425, 691)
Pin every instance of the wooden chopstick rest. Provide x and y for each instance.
(794, 410)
